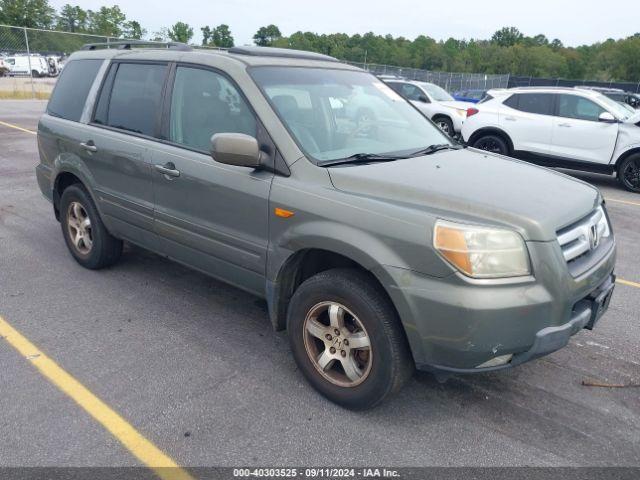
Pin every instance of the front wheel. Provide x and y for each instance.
(492, 143)
(629, 173)
(347, 340)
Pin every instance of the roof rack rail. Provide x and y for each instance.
(127, 44)
(280, 52)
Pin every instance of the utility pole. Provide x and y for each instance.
(26, 41)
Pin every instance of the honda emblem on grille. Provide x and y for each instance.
(593, 237)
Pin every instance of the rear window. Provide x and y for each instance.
(538, 103)
(72, 89)
(131, 97)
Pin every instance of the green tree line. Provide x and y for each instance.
(507, 51)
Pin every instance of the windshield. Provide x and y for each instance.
(618, 111)
(335, 114)
(437, 93)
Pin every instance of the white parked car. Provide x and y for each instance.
(446, 112)
(559, 127)
(20, 65)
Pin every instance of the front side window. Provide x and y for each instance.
(133, 100)
(204, 103)
(334, 114)
(573, 106)
(72, 89)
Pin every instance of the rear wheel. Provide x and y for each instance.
(84, 233)
(492, 143)
(445, 124)
(347, 340)
(629, 173)
(35, 74)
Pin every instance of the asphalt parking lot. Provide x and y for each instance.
(194, 366)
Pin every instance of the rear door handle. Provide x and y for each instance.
(511, 119)
(168, 169)
(89, 146)
(566, 125)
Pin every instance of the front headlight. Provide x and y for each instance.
(482, 252)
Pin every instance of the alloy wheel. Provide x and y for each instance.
(631, 174)
(489, 144)
(79, 227)
(337, 344)
(444, 126)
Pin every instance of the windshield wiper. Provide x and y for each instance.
(377, 157)
(363, 158)
(434, 148)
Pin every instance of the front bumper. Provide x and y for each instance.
(455, 324)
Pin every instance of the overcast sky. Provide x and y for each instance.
(573, 22)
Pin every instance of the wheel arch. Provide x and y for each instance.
(64, 178)
(302, 265)
(491, 131)
(625, 155)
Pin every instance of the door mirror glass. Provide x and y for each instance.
(423, 99)
(236, 149)
(607, 117)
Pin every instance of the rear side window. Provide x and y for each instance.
(131, 97)
(72, 89)
(538, 103)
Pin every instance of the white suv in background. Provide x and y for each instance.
(434, 101)
(559, 127)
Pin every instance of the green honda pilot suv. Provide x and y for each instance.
(379, 243)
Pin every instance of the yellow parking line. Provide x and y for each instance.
(139, 446)
(628, 283)
(10, 125)
(626, 202)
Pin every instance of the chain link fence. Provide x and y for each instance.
(523, 81)
(451, 82)
(31, 59)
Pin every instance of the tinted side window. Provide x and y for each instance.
(72, 89)
(134, 98)
(572, 106)
(538, 103)
(397, 87)
(204, 103)
(412, 92)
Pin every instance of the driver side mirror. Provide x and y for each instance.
(236, 149)
(423, 99)
(607, 117)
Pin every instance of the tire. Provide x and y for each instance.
(35, 74)
(363, 314)
(492, 143)
(445, 124)
(90, 243)
(629, 173)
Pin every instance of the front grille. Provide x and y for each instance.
(584, 239)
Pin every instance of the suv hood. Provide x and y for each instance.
(478, 187)
(635, 118)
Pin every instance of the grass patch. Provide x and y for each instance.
(23, 95)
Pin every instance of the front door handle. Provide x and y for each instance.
(565, 125)
(168, 169)
(89, 146)
(511, 119)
